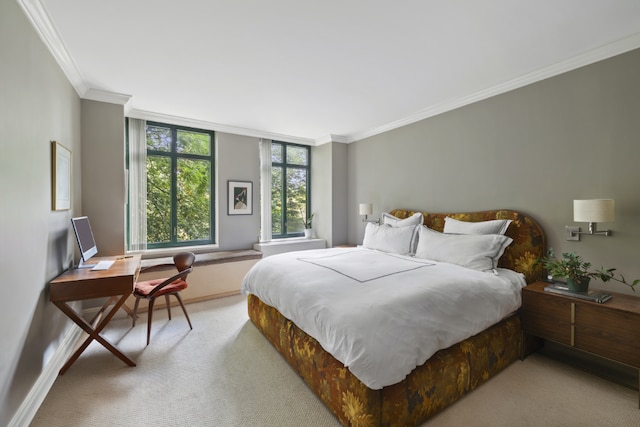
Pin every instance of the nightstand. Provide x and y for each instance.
(610, 330)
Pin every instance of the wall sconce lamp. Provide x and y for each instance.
(592, 211)
(366, 209)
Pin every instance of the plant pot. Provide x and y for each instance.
(308, 232)
(581, 285)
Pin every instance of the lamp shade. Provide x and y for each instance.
(593, 210)
(366, 209)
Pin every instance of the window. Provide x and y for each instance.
(290, 201)
(179, 202)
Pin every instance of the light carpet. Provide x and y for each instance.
(225, 373)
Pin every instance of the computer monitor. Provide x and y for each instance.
(84, 237)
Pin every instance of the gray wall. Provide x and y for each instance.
(238, 159)
(37, 105)
(535, 149)
(339, 194)
(103, 174)
(329, 192)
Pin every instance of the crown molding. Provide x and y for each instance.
(604, 52)
(333, 138)
(105, 96)
(203, 124)
(37, 14)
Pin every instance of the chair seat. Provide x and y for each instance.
(172, 285)
(144, 288)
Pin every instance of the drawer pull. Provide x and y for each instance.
(573, 324)
(573, 313)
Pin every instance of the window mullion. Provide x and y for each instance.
(174, 185)
(285, 215)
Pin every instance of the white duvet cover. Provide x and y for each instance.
(381, 314)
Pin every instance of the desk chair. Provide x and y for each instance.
(151, 289)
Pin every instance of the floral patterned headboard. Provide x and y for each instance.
(529, 241)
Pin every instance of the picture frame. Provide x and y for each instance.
(240, 198)
(60, 177)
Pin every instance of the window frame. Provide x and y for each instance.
(285, 165)
(174, 156)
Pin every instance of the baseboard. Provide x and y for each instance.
(27, 410)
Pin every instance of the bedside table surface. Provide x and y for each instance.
(618, 301)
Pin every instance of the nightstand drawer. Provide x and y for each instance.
(547, 317)
(610, 333)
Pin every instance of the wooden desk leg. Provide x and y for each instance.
(100, 312)
(93, 333)
(125, 307)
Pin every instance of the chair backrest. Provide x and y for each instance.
(183, 260)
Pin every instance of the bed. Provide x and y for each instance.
(435, 383)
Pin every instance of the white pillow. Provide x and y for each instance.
(415, 219)
(397, 240)
(494, 226)
(476, 251)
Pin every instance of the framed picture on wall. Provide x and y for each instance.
(60, 177)
(240, 198)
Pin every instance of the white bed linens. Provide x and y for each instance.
(382, 322)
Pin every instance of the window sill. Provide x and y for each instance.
(288, 245)
(170, 252)
(210, 258)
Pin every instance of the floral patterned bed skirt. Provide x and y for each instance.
(444, 378)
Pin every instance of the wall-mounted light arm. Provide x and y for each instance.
(591, 211)
(366, 209)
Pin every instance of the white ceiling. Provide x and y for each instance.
(314, 71)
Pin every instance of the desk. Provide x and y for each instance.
(116, 283)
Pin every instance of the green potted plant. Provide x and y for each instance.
(307, 226)
(578, 272)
